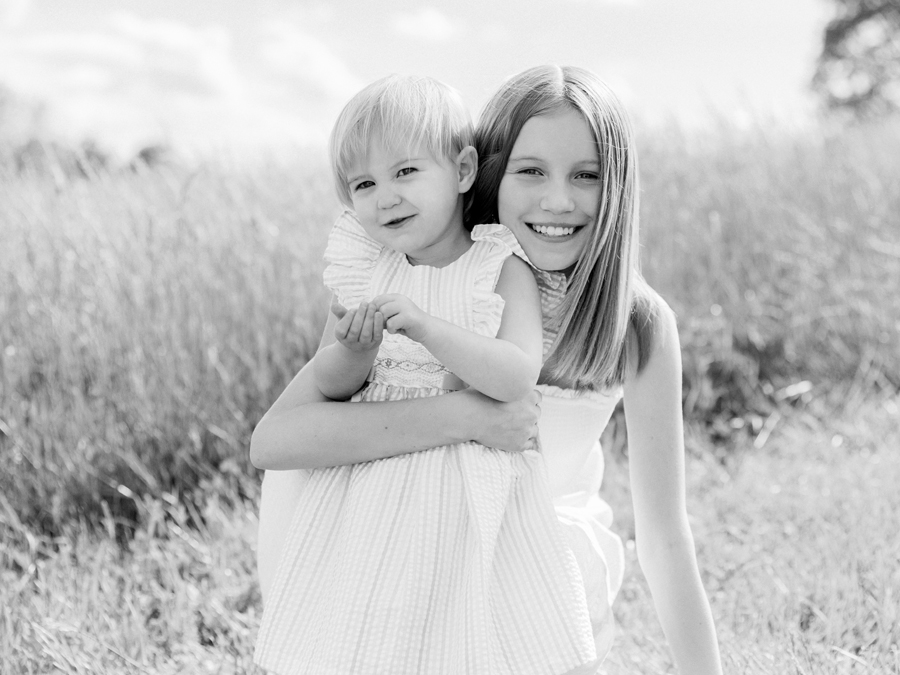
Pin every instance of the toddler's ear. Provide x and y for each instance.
(467, 167)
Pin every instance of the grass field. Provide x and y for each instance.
(797, 544)
(148, 318)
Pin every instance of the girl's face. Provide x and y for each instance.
(550, 191)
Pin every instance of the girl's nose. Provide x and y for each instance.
(558, 199)
(387, 198)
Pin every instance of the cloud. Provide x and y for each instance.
(426, 23)
(12, 12)
(291, 52)
(178, 57)
(134, 81)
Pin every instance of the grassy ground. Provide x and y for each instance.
(798, 547)
(797, 543)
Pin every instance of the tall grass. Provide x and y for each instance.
(149, 318)
(780, 252)
(146, 322)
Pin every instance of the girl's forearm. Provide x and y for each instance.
(681, 604)
(303, 430)
(334, 433)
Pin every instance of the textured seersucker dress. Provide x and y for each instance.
(571, 423)
(447, 561)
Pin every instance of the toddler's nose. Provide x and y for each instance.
(388, 198)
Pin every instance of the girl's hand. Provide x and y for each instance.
(359, 331)
(512, 427)
(401, 315)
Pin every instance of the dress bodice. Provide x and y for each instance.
(462, 293)
(570, 427)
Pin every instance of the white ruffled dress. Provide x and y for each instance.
(447, 561)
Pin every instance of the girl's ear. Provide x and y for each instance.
(467, 167)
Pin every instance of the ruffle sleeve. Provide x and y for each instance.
(350, 258)
(495, 243)
(551, 285)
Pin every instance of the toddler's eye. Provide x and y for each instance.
(407, 170)
(361, 185)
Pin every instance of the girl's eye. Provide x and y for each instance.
(407, 170)
(361, 185)
(529, 172)
(587, 175)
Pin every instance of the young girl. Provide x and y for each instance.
(449, 560)
(559, 167)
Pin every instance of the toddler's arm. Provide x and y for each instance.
(505, 368)
(349, 345)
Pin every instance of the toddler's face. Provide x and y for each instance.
(550, 191)
(409, 201)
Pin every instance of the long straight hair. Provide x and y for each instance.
(606, 296)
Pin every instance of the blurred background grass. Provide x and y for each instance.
(150, 314)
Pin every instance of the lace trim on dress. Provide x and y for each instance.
(551, 390)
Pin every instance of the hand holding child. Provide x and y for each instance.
(361, 330)
(402, 315)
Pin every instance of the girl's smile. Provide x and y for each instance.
(553, 230)
(550, 191)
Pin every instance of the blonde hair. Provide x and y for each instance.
(401, 111)
(606, 295)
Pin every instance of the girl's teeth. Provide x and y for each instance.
(553, 231)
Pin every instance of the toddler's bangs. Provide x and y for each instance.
(403, 113)
(398, 130)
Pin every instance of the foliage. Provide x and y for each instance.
(859, 67)
(778, 250)
(147, 320)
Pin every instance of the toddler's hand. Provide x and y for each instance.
(401, 315)
(358, 331)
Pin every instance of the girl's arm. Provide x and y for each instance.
(305, 430)
(665, 545)
(349, 345)
(505, 368)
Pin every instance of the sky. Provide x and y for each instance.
(248, 75)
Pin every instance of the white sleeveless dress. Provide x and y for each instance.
(447, 561)
(570, 427)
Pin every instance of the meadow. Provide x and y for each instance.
(150, 315)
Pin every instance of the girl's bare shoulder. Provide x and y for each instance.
(652, 336)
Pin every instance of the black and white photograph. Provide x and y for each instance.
(482, 338)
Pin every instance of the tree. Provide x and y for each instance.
(859, 67)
